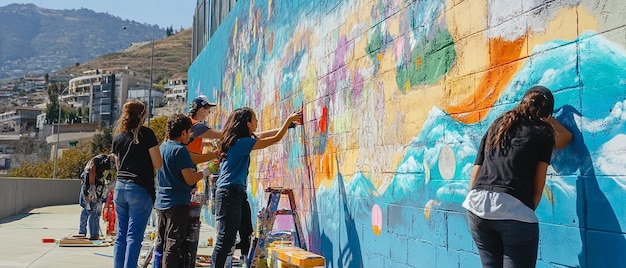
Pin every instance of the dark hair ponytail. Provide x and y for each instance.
(536, 105)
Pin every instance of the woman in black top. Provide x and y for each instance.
(138, 155)
(508, 178)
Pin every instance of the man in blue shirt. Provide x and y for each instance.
(175, 180)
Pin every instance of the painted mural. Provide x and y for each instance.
(396, 97)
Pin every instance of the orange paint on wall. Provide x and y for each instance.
(504, 64)
(324, 166)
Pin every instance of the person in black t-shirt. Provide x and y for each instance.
(91, 194)
(508, 178)
(138, 155)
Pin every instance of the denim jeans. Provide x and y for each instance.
(245, 229)
(228, 204)
(89, 214)
(133, 206)
(505, 243)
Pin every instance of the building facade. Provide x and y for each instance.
(20, 120)
(103, 92)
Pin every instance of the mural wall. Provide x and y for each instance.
(396, 97)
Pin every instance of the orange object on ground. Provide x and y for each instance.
(296, 256)
(48, 240)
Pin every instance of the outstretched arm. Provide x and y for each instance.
(562, 136)
(201, 158)
(211, 134)
(263, 142)
(267, 133)
(191, 176)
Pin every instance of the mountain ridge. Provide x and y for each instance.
(40, 40)
(172, 57)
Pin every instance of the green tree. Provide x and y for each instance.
(102, 142)
(69, 113)
(69, 165)
(159, 126)
(52, 108)
(169, 31)
(72, 162)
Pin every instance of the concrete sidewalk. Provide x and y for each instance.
(22, 244)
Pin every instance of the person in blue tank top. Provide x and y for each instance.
(237, 143)
(175, 179)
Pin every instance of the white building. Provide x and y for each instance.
(104, 92)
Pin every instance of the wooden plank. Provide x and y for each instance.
(83, 242)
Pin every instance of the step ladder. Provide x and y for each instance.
(265, 224)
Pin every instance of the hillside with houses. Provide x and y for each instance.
(90, 98)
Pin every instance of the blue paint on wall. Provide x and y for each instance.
(581, 212)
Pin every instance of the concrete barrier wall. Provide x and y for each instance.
(20, 194)
(396, 97)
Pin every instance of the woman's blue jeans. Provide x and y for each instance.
(228, 204)
(133, 206)
(505, 243)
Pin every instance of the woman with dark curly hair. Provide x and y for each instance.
(137, 151)
(508, 178)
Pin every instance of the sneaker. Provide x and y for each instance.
(94, 238)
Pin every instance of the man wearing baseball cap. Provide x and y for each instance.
(199, 110)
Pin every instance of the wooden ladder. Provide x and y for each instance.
(265, 224)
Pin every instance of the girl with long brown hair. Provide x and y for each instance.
(237, 143)
(137, 151)
(508, 178)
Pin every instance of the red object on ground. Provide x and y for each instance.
(108, 214)
(48, 240)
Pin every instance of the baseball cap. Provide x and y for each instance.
(200, 102)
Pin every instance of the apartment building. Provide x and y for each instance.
(20, 119)
(104, 91)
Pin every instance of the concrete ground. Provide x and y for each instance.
(22, 245)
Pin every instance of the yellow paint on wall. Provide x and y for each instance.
(561, 26)
(586, 20)
(471, 49)
(393, 25)
(309, 83)
(238, 83)
(342, 122)
(348, 161)
(253, 175)
(466, 18)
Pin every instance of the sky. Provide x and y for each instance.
(165, 13)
